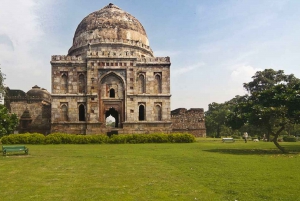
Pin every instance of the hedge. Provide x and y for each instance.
(289, 139)
(62, 138)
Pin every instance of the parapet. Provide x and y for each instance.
(108, 41)
(127, 54)
(65, 58)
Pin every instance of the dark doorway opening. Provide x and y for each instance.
(109, 134)
(141, 113)
(114, 113)
(111, 93)
(81, 113)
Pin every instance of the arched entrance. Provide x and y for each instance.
(115, 114)
(111, 98)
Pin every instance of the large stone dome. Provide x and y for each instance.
(109, 25)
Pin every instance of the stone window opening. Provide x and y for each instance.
(81, 112)
(141, 84)
(112, 93)
(64, 112)
(142, 113)
(64, 83)
(158, 83)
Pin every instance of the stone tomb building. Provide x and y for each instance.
(32, 108)
(110, 70)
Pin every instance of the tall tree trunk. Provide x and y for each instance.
(275, 140)
(218, 131)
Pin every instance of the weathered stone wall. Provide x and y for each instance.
(72, 102)
(72, 70)
(104, 72)
(40, 113)
(191, 121)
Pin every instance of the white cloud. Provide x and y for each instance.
(22, 44)
(180, 71)
(243, 73)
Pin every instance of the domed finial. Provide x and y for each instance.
(111, 5)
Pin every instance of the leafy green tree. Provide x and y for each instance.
(272, 106)
(215, 119)
(268, 78)
(8, 122)
(2, 78)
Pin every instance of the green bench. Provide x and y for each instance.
(14, 148)
(227, 140)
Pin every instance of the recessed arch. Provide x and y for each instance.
(112, 85)
(64, 112)
(81, 112)
(112, 93)
(111, 73)
(142, 112)
(115, 114)
(158, 113)
(64, 83)
(81, 83)
(158, 83)
(141, 83)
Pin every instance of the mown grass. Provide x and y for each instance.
(205, 170)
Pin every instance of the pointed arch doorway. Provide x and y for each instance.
(115, 114)
(112, 98)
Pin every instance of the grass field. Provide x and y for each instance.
(205, 170)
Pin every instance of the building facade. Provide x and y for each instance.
(110, 70)
(33, 109)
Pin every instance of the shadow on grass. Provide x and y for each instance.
(291, 149)
(245, 151)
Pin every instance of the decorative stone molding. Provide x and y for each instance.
(65, 58)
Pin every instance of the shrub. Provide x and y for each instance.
(289, 139)
(236, 136)
(62, 138)
(27, 138)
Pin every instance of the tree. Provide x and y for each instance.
(8, 122)
(268, 78)
(2, 78)
(215, 118)
(273, 103)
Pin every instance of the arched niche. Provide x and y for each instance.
(111, 84)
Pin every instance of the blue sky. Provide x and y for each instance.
(215, 46)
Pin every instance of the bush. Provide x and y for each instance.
(289, 139)
(27, 138)
(236, 136)
(62, 138)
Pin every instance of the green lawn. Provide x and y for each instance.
(205, 170)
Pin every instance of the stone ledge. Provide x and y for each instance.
(151, 95)
(147, 122)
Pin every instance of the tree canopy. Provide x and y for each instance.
(2, 78)
(8, 122)
(272, 104)
(268, 78)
